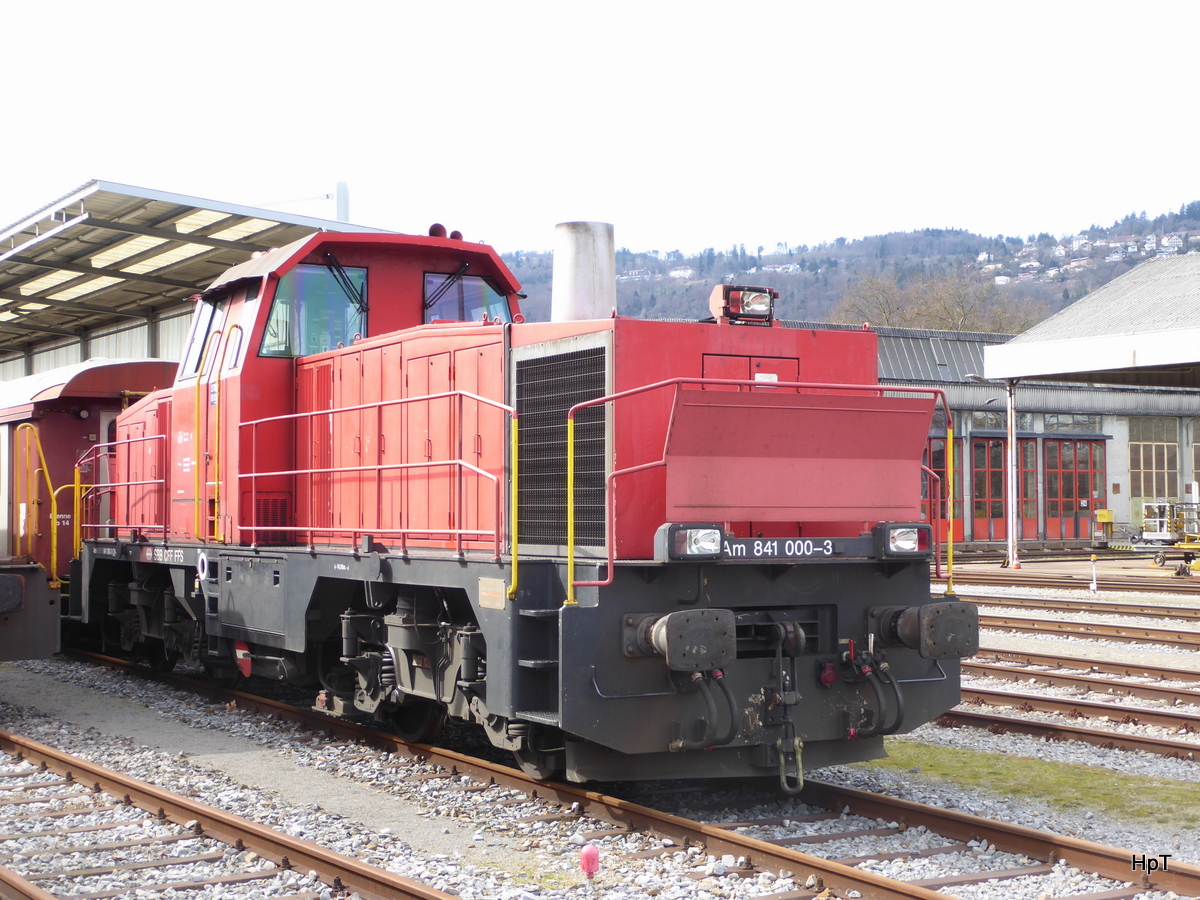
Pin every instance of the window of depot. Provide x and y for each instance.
(997, 420)
(1154, 457)
(1195, 453)
(1078, 422)
(463, 298)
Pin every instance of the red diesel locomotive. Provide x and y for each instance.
(627, 549)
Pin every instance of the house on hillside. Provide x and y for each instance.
(682, 272)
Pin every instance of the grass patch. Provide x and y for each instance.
(1066, 786)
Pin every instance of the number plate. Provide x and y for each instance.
(783, 548)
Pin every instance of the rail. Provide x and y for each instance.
(93, 494)
(677, 384)
(458, 534)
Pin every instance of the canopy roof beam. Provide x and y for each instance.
(95, 270)
(70, 304)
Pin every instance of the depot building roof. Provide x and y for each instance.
(1140, 329)
(108, 253)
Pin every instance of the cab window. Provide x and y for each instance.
(463, 298)
(209, 317)
(314, 311)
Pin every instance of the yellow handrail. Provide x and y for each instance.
(949, 504)
(216, 532)
(199, 449)
(77, 513)
(29, 428)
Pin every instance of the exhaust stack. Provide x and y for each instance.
(584, 285)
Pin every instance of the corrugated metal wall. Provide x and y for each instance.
(12, 368)
(128, 342)
(51, 356)
(173, 332)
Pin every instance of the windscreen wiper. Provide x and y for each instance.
(349, 288)
(440, 292)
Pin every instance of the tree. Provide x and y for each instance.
(958, 300)
(877, 299)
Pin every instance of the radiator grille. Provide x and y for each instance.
(546, 389)
(272, 511)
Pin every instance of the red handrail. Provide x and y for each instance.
(461, 465)
(677, 384)
(89, 498)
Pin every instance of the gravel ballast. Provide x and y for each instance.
(469, 843)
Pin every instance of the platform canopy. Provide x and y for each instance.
(1140, 329)
(108, 253)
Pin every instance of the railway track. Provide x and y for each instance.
(44, 856)
(1089, 683)
(746, 847)
(1098, 607)
(1168, 637)
(1027, 658)
(1160, 583)
(1073, 708)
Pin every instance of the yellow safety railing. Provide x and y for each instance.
(949, 502)
(217, 535)
(30, 524)
(196, 442)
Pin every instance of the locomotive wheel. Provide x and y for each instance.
(542, 766)
(221, 677)
(159, 658)
(419, 722)
(1160, 558)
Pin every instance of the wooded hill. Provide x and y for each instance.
(933, 278)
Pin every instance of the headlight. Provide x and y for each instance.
(750, 303)
(742, 304)
(904, 539)
(703, 541)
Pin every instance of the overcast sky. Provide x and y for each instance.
(686, 125)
